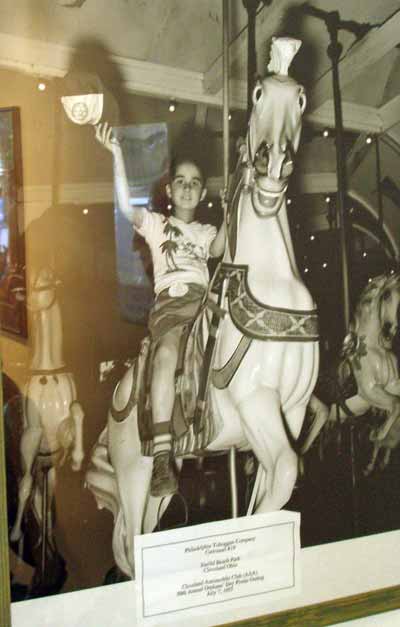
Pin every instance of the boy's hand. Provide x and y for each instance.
(104, 135)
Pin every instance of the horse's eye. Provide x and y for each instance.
(257, 93)
(387, 330)
(302, 100)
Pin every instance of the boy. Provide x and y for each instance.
(179, 247)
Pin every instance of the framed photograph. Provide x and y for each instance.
(199, 354)
(12, 244)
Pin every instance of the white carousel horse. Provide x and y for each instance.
(266, 350)
(53, 418)
(368, 375)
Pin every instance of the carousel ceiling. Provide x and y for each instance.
(174, 48)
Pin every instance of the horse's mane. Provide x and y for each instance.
(373, 292)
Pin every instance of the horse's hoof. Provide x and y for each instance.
(15, 535)
(374, 435)
(115, 575)
(76, 466)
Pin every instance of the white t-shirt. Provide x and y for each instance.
(179, 250)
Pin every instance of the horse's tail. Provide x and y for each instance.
(319, 414)
(102, 482)
(100, 476)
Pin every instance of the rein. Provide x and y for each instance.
(245, 182)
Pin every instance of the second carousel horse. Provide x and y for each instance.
(368, 375)
(53, 418)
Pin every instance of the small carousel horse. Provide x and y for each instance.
(263, 339)
(52, 415)
(367, 375)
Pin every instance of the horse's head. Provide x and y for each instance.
(389, 306)
(274, 132)
(379, 305)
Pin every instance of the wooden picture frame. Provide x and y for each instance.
(5, 618)
(329, 612)
(13, 316)
(382, 596)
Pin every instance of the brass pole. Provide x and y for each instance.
(379, 180)
(251, 7)
(233, 482)
(225, 65)
(334, 52)
(45, 505)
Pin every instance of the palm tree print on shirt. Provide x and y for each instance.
(170, 246)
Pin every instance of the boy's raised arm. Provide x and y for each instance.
(105, 137)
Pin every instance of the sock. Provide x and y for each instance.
(162, 439)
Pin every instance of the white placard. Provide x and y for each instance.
(231, 562)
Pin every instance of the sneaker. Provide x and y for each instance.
(164, 480)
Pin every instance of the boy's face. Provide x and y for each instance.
(186, 190)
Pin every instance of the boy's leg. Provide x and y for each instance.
(164, 480)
